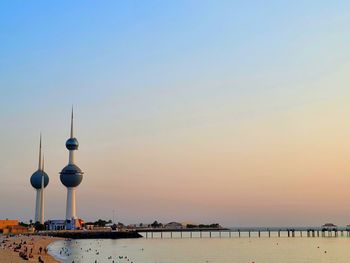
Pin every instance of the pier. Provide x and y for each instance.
(245, 232)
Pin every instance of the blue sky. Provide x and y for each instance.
(159, 85)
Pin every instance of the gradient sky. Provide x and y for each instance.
(234, 112)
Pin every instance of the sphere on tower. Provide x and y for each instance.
(72, 144)
(36, 178)
(71, 175)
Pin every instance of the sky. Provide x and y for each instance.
(234, 112)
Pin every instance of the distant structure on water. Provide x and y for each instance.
(71, 177)
(39, 180)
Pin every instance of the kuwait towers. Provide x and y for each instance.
(71, 177)
(39, 180)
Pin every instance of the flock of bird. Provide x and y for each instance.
(66, 252)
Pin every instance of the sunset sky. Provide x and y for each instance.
(236, 112)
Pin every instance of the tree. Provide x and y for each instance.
(23, 224)
(39, 227)
(100, 223)
(155, 224)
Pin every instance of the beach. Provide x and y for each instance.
(31, 242)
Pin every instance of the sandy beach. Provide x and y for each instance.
(8, 255)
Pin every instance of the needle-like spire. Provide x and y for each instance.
(43, 163)
(42, 177)
(71, 125)
(39, 168)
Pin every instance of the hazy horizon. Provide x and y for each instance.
(205, 111)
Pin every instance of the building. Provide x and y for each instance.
(8, 223)
(15, 230)
(39, 180)
(71, 177)
(173, 225)
(329, 227)
(61, 224)
(56, 224)
(12, 226)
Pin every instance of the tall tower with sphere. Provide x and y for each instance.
(39, 180)
(71, 176)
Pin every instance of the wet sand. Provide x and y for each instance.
(8, 255)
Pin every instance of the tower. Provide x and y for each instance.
(71, 176)
(39, 180)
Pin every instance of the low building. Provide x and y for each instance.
(62, 224)
(15, 230)
(12, 227)
(8, 223)
(329, 227)
(173, 225)
(58, 224)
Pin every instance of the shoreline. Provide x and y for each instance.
(27, 242)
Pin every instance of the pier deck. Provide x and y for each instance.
(244, 232)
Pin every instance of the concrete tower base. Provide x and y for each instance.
(37, 206)
(71, 208)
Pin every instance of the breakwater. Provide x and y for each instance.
(93, 234)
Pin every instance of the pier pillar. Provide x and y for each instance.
(152, 234)
(318, 233)
(200, 233)
(259, 233)
(161, 234)
(301, 233)
(249, 233)
(229, 233)
(239, 233)
(181, 234)
(171, 234)
(269, 233)
(210, 234)
(220, 233)
(191, 234)
(279, 233)
(288, 233)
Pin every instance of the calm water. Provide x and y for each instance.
(206, 250)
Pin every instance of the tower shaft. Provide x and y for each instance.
(42, 204)
(38, 205)
(71, 205)
(71, 157)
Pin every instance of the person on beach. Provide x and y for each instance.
(40, 260)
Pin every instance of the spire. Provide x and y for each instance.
(42, 211)
(43, 163)
(71, 125)
(42, 176)
(39, 168)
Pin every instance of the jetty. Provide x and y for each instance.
(84, 234)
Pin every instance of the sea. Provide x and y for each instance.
(172, 248)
